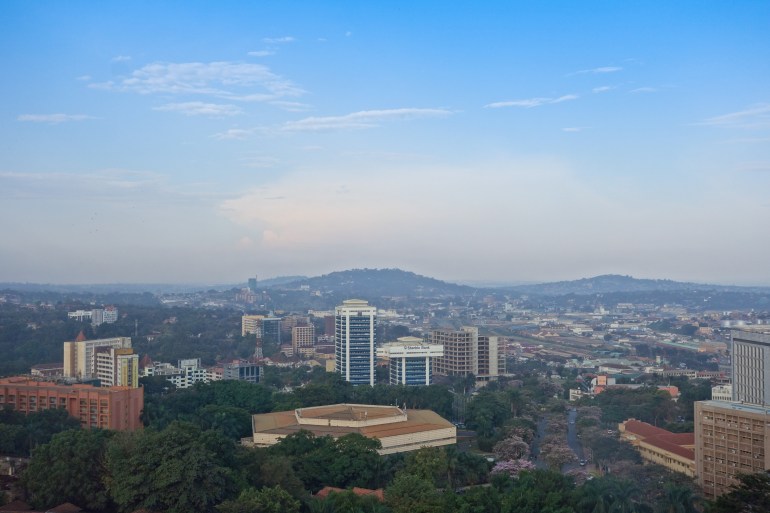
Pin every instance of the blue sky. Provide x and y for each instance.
(497, 141)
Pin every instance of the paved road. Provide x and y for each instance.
(573, 441)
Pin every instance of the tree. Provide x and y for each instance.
(69, 469)
(752, 494)
(678, 499)
(175, 470)
(511, 448)
(411, 494)
(512, 468)
(43, 425)
(267, 500)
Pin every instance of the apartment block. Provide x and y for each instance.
(116, 408)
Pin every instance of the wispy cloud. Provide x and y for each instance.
(262, 53)
(278, 40)
(84, 78)
(599, 70)
(361, 119)
(531, 102)
(201, 109)
(291, 106)
(756, 116)
(53, 119)
(229, 80)
(602, 89)
(644, 90)
(233, 134)
(574, 129)
(121, 58)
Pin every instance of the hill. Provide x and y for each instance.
(609, 283)
(379, 282)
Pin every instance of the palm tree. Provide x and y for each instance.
(678, 499)
(595, 496)
(624, 497)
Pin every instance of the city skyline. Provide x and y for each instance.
(197, 142)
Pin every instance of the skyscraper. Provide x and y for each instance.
(355, 323)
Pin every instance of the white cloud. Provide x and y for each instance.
(278, 40)
(200, 109)
(756, 116)
(644, 90)
(602, 89)
(361, 119)
(53, 119)
(121, 58)
(573, 129)
(531, 102)
(599, 70)
(84, 78)
(262, 53)
(229, 80)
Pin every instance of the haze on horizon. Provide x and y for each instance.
(175, 142)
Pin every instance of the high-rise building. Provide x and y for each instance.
(410, 360)
(253, 284)
(303, 340)
(733, 437)
(751, 367)
(466, 352)
(271, 330)
(80, 354)
(461, 351)
(491, 358)
(354, 341)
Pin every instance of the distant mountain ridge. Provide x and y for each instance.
(608, 283)
(379, 282)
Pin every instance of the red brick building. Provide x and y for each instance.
(116, 408)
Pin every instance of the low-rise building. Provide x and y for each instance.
(675, 451)
(115, 408)
(398, 430)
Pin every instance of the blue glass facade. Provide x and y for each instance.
(354, 342)
(414, 368)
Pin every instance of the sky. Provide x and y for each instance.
(206, 142)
